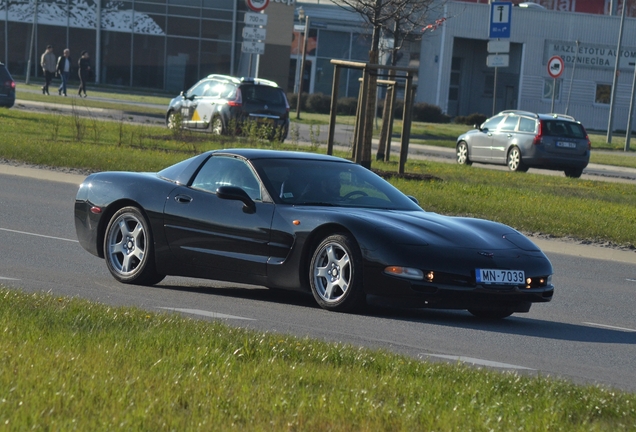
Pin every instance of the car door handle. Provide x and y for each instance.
(182, 199)
(509, 135)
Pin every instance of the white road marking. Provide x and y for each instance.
(610, 327)
(207, 313)
(38, 235)
(6, 278)
(630, 280)
(476, 361)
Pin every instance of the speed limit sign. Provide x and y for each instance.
(257, 5)
(555, 66)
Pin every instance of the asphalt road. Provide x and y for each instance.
(343, 138)
(586, 334)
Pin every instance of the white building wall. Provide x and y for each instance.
(543, 33)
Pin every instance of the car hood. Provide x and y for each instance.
(426, 228)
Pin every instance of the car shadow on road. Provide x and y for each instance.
(518, 324)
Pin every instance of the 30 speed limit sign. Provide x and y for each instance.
(555, 66)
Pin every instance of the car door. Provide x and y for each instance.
(503, 137)
(480, 143)
(191, 100)
(204, 106)
(220, 236)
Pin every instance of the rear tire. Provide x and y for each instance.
(514, 161)
(216, 126)
(573, 172)
(462, 154)
(335, 274)
(128, 248)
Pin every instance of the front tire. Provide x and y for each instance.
(514, 161)
(462, 154)
(335, 274)
(128, 248)
(173, 121)
(573, 172)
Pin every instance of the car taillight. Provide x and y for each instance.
(237, 101)
(539, 136)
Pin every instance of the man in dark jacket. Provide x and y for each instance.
(63, 70)
(84, 72)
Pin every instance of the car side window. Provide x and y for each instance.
(227, 171)
(527, 125)
(199, 89)
(492, 123)
(214, 89)
(509, 124)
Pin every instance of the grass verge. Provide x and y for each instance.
(70, 364)
(557, 206)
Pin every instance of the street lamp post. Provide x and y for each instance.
(301, 17)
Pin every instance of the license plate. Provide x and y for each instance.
(565, 144)
(499, 277)
(185, 112)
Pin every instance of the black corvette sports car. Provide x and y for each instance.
(308, 222)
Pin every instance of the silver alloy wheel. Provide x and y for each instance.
(514, 159)
(173, 121)
(462, 154)
(217, 126)
(332, 272)
(126, 245)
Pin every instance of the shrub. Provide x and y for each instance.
(472, 119)
(318, 103)
(422, 112)
(292, 98)
(347, 106)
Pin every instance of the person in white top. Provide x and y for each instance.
(63, 70)
(48, 67)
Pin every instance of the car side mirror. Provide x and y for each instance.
(412, 198)
(238, 194)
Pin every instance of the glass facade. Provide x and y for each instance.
(162, 44)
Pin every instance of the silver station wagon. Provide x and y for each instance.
(523, 140)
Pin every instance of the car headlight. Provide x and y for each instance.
(405, 272)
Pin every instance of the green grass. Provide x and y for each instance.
(558, 206)
(71, 364)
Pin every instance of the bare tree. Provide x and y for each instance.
(399, 19)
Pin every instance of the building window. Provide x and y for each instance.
(603, 93)
(549, 88)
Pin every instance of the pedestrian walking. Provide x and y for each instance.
(84, 72)
(63, 70)
(48, 67)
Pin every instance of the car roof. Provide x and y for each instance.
(251, 153)
(542, 116)
(243, 80)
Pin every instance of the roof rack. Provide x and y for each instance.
(225, 77)
(259, 81)
(563, 116)
(520, 112)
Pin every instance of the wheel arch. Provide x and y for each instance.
(107, 215)
(311, 243)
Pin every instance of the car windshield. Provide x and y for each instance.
(329, 183)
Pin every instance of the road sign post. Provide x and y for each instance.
(555, 69)
(500, 17)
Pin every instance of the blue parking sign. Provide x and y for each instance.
(499, 24)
